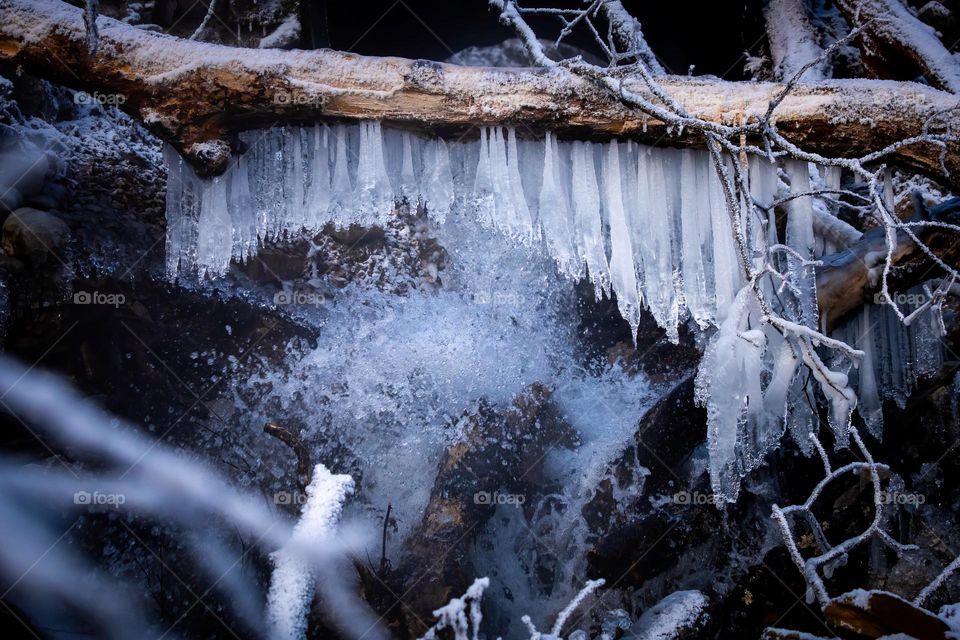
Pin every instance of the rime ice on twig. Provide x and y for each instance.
(293, 580)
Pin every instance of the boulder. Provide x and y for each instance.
(34, 234)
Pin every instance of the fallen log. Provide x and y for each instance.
(198, 96)
(851, 277)
(896, 43)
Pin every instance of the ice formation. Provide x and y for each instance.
(648, 224)
(293, 581)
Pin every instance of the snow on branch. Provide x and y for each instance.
(794, 41)
(294, 578)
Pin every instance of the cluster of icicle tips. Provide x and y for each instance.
(650, 224)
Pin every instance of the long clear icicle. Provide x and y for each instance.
(623, 277)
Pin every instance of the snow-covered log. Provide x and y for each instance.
(199, 95)
(892, 36)
(794, 41)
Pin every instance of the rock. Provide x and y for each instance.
(31, 233)
(936, 15)
(10, 199)
(680, 615)
(495, 463)
(874, 614)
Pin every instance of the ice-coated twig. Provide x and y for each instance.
(929, 590)
(810, 567)
(590, 587)
(461, 615)
(211, 7)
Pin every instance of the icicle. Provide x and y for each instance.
(242, 213)
(555, 212)
(800, 238)
(586, 207)
(294, 211)
(523, 221)
(869, 403)
(623, 277)
(654, 221)
(408, 180)
(437, 191)
(728, 385)
(501, 208)
(342, 206)
(695, 236)
(374, 195)
(483, 189)
(180, 217)
(317, 197)
(726, 268)
(214, 232)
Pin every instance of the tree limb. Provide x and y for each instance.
(892, 36)
(198, 95)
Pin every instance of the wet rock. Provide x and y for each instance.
(34, 234)
(498, 456)
(937, 16)
(874, 614)
(680, 616)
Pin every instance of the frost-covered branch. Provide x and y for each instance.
(294, 577)
(811, 567)
(199, 95)
(211, 7)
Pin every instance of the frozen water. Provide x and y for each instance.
(651, 227)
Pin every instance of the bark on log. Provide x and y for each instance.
(893, 41)
(198, 95)
(851, 277)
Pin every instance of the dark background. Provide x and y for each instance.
(711, 34)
